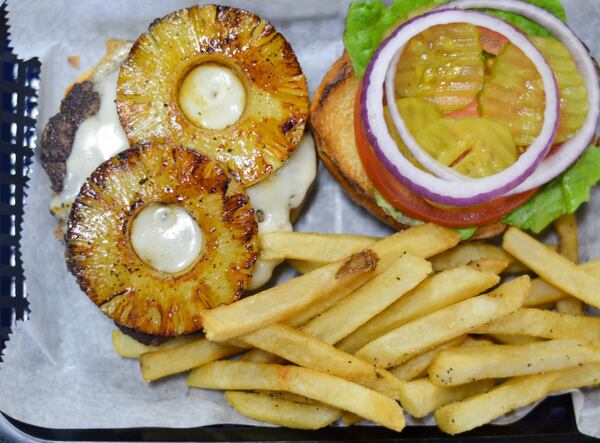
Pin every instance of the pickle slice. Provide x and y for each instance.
(573, 94)
(474, 146)
(514, 95)
(444, 65)
(417, 113)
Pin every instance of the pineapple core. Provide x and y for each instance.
(166, 237)
(212, 96)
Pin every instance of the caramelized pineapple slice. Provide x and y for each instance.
(274, 109)
(444, 65)
(128, 289)
(474, 146)
(514, 93)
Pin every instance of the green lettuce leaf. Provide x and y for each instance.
(368, 21)
(561, 196)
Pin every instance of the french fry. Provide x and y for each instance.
(321, 306)
(290, 298)
(545, 324)
(304, 267)
(369, 300)
(312, 247)
(165, 362)
(438, 291)
(125, 346)
(494, 265)
(568, 246)
(460, 365)
(334, 391)
(350, 419)
(309, 352)
(543, 293)
(478, 410)
(285, 413)
(429, 331)
(287, 299)
(566, 230)
(569, 305)
(420, 397)
(417, 366)
(552, 267)
(518, 392)
(469, 252)
(260, 356)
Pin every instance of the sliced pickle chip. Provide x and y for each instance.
(417, 113)
(573, 94)
(444, 65)
(474, 146)
(514, 96)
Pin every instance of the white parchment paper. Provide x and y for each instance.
(59, 369)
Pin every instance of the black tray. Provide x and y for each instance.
(551, 421)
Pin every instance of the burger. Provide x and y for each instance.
(472, 114)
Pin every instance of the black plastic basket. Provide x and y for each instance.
(551, 421)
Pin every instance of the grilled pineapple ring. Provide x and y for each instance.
(131, 292)
(276, 104)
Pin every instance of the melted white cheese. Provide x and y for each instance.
(212, 96)
(97, 139)
(101, 136)
(274, 197)
(166, 237)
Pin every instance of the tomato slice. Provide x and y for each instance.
(491, 41)
(418, 207)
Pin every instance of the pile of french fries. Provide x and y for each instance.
(415, 321)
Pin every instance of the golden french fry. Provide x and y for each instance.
(334, 391)
(515, 393)
(545, 324)
(420, 397)
(321, 306)
(476, 341)
(566, 230)
(568, 246)
(164, 362)
(304, 267)
(312, 247)
(438, 291)
(260, 356)
(350, 419)
(457, 366)
(469, 252)
(309, 352)
(543, 293)
(277, 411)
(369, 300)
(579, 377)
(290, 298)
(417, 366)
(569, 305)
(125, 346)
(478, 410)
(552, 267)
(287, 299)
(494, 265)
(429, 331)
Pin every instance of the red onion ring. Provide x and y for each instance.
(558, 162)
(448, 190)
